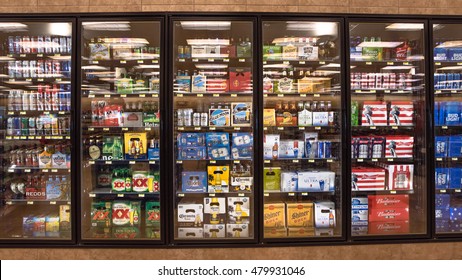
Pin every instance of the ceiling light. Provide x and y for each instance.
(405, 26)
(206, 25)
(107, 25)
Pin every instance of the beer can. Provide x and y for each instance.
(49, 68)
(68, 101)
(456, 81)
(33, 44)
(9, 126)
(187, 117)
(11, 69)
(321, 151)
(39, 126)
(62, 44)
(54, 126)
(33, 68)
(40, 68)
(11, 48)
(55, 43)
(196, 119)
(56, 68)
(47, 45)
(25, 69)
(26, 44)
(32, 101)
(327, 149)
(180, 117)
(69, 45)
(40, 44)
(18, 69)
(24, 126)
(16, 126)
(204, 119)
(17, 44)
(32, 128)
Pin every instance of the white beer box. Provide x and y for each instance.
(324, 232)
(214, 231)
(268, 142)
(399, 146)
(308, 52)
(241, 184)
(316, 181)
(324, 214)
(401, 113)
(374, 113)
(367, 179)
(237, 230)
(291, 149)
(191, 233)
(190, 214)
(289, 181)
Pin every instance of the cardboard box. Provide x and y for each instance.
(441, 178)
(268, 85)
(132, 119)
(300, 231)
(455, 54)
(219, 117)
(284, 85)
(237, 230)
(192, 153)
(400, 176)
(299, 215)
(190, 214)
(289, 181)
(399, 147)
(140, 181)
(308, 52)
(99, 51)
(441, 146)
(242, 139)
(274, 215)
(388, 214)
(324, 214)
(214, 210)
(374, 113)
(269, 117)
(316, 181)
(194, 181)
(240, 79)
(125, 232)
(271, 52)
(218, 153)
(199, 84)
(305, 85)
(241, 184)
(270, 141)
(242, 152)
(101, 214)
(218, 179)
(275, 232)
(214, 231)
(320, 118)
(191, 233)
(388, 201)
(455, 146)
(152, 212)
(389, 227)
(126, 213)
(360, 203)
(289, 52)
(135, 145)
(455, 178)
(190, 139)
(112, 148)
(272, 179)
(359, 217)
(239, 210)
(291, 149)
(241, 114)
(217, 139)
(183, 84)
(217, 85)
(367, 179)
(401, 113)
(442, 200)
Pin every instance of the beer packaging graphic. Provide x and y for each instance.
(216, 85)
(124, 85)
(218, 145)
(214, 210)
(126, 213)
(52, 226)
(300, 231)
(199, 84)
(135, 144)
(99, 51)
(367, 179)
(112, 148)
(125, 232)
(308, 52)
(190, 139)
(132, 119)
(374, 113)
(65, 217)
(271, 52)
(237, 230)
(194, 181)
(324, 214)
(58, 160)
(152, 218)
(218, 179)
(284, 85)
(240, 79)
(183, 84)
(190, 214)
(241, 114)
(219, 117)
(291, 149)
(399, 146)
(238, 210)
(140, 181)
(289, 52)
(272, 179)
(401, 113)
(388, 214)
(316, 181)
(242, 145)
(101, 213)
(305, 85)
(190, 233)
(192, 153)
(389, 227)
(359, 212)
(269, 117)
(274, 215)
(272, 232)
(299, 214)
(268, 85)
(388, 201)
(214, 231)
(400, 176)
(289, 181)
(271, 146)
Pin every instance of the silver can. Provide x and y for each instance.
(197, 119)
(180, 117)
(188, 117)
(204, 119)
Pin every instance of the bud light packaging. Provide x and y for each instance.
(152, 213)
(191, 139)
(440, 53)
(455, 146)
(299, 214)
(194, 181)
(452, 113)
(289, 181)
(442, 200)
(441, 178)
(455, 178)
(441, 146)
(274, 216)
(192, 153)
(324, 214)
(316, 181)
(101, 214)
(455, 54)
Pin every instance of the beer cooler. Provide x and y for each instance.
(35, 131)
(212, 93)
(388, 128)
(447, 69)
(303, 181)
(120, 130)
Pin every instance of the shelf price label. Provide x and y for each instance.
(45, 170)
(213, 161)
(267, 161)
(225, 59)
(142, 95)
(179, 161)
(368, 63)
(91, 96)
(147, 128)
(106, 129)
(439, 159)
(152, 162)
(30, 202)
(91, 162)
(280, 95)
(390, 63)
(216, 95)
(393, 192)
(311, 161)
(360, 160)
(200, 95)
(181, 195)
(141, 195)
(442, 191)
(108, 162)
(295, 161)
(233, 95)
(372, 127)
(280, 128)
(390, 159)
(107, 96)
(9, 202)
(394, 127)
(457, 191)
(302, 62)
(212, 194)
(22, 113)
(330, 160)
(123, 62)
(301, 128)
(322, 62)
(455, 159)
(302, 94)
(92, 195)
(316, 95)
(374, 160)
(291, 194)
(304, 194)
(132, 162)
(241, 59)
(317, 128)
(124, 128)
(27, 170)
(237, 161)
(240, 194)
(120, 195)
(406, 63)
(210, 60)
(54, 170)
(197, 128)
(10, 113)
(444, 127)
(237, 128)
(266, 194)
(52, 202)
(180, 128)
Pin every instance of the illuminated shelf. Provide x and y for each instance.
(398, 159)
(118, 128)
(212, 161)
(300, 160)
(289, 194)
(148, 94)
(220, 194)
(357, 192)
(109, 192)
(41, 137)
(13, 169)
(213, 128)
(212, 94)
(35, 202)
(123, 161)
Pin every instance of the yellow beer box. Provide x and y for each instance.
(135, 145)
(274, 215)
(299, 214)
(275, 232)
(218, 179)
(300, 231)
(269, 117)
(305, 85)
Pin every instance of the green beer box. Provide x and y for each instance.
(112, 148)
(125, 232)
(272, 52)
(152, 213)
(101, 214)
(272, 179)
(152, 232)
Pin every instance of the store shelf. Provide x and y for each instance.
(211, 161)
(448, 127)
(404, 92)
(35, 112)
(300, 62)
(35, 202)
(55, 56)
(300, 160)
(37, 169)
(450, 191)
(223, 58)
(448, 159)
(323, 94)
(307, 128)
(214, 128)
(131, 162)
(400, 160)
(447, 92)
(212, 94)
(119, 129)
(113, 194)
(447, 62)
(222, 194)
(146, 94)
(417, 58)
(359, 192)
(295, 194)
(47, 137)
(147, 58)
(383, 128)
(57, 78)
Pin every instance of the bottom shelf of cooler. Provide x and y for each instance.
(448, 213)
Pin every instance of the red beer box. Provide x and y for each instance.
(401, 113)
(388, 201)
(374, 113)
(367, 179)
(389, 227)
(240, 79)
(399, 146)
(388, 214)
(400, 177)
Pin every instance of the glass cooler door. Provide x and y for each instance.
(302, 142)
(35, 130)
(213, 104)
(447, 87)
(388, 128)
(120, 130)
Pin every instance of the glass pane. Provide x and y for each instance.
(447, 58)
(302, 172)
(120, 130)
(213, 106)
(388, 146)
(35, 136)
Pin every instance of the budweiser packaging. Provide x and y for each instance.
(389, 227)
(218, 179)
(374, 113)
(237, 230)
(299, 214)
(274, 215)
(214, 231)
(190, 214)
(101, 214)
(401, 113)
(289, 52)
(269, 117)
(191, 139)
(388, 201)
(191, 233)
(217, 85)
(441, 178)
(194, 181)
(199, 84)
(219, 117)
(214, 210)
(316, 181)
(399, 147)
(135, 144)
(441, 146)
(218, 145)
(241, 114)
(388, 214)
(289, 181)
(126, 213)
(400, 176)
(125, 232)
(300, 231)
(272, 232)
(240, 79)
(367, 179)
(272, 179)
(271, 146)
(152, 218)
(242, 146)
(324, 214)
(238, 210)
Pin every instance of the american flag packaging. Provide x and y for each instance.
(367, 179)
(374, 113)
(399, 146)
(217, 85)
(400, 176)
(389, 227)
(401, 113)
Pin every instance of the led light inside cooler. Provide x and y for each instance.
(12, 26)
(147, 66)
(211, 66)
(60, 57)
(107, 25)
(379, 44)
(277, 66)
(405, 26)
(206, 25)
(208, 42)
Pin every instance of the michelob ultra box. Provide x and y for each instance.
(399, 146)
(238, 210)
(299, 214)
(401, 113)
(241, 114)
(152, 213)
(190, 214)
(135, 145)
(214, 231)
(324, 214)
(275, 232)
(272, 179)
(194, 181)
(219, 117)
(237, 230)
(274, 215)
(316, 181)
(214, 210)
(455, 146)
(374, 113)
(289, 181)
(101, 213)
(191, 233)
(291, 149)
(218, 178)
(271, 146)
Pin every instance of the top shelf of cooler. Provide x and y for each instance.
(32, 56)
(394, 62)
(327, 62)
(218, 57)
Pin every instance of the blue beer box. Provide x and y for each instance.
(442, 213)
(239, 152)
(442, 200)
(191, 139)
(194, 181)
(441, 178)
(242, 139)
(218, 153)
(455, 146)
(440, 54)
(192, 153)
(436, 117)
(441, 146)
(217, 139)
(442, 225)
(455, 177)
(359, 203)
(451, 112)
(455, 54)
(455, 226)
(455, 214)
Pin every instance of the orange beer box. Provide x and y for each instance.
(401, 113)
(299, 215)
(399, 146)
(274, 215)
(374, 113)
